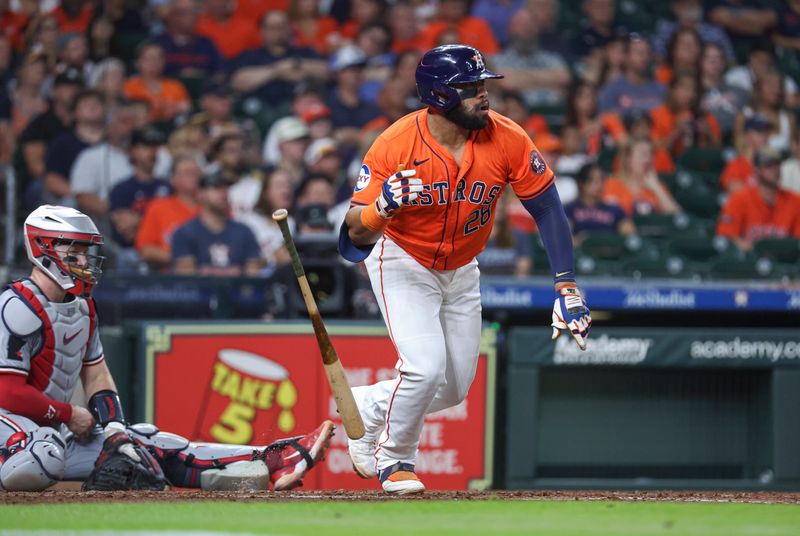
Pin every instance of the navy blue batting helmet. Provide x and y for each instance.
(443, 66)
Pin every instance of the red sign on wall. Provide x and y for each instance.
(255, 383)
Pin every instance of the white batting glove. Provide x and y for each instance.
(570, 312)
(124, 447)
(398, 191)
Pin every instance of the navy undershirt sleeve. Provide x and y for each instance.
(547, 210)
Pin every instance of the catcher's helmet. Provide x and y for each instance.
(443, 66)
(50, 232)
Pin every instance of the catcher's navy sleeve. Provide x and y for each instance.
(547, 210)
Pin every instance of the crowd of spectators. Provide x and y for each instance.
(180, 125)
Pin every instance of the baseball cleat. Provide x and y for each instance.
(362, 454)
(298, 455)
(401, 479)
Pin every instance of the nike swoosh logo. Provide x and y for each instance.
(66, 340)
(420, 162)
(559, 274)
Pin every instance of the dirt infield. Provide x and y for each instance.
(71, 496)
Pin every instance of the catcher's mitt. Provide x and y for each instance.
(115, 470)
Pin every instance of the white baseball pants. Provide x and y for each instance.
(434, 320)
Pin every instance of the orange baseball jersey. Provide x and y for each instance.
(746, 215)
(449, 224)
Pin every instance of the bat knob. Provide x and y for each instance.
(280, 214)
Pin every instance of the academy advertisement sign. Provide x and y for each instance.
(256, 383)
(660, 347)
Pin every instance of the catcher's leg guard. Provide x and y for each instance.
(33, 461)
(185, 464)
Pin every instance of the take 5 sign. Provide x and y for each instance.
(253, 383)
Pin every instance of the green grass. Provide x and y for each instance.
(440, 518)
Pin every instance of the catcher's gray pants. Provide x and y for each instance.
(37, 456)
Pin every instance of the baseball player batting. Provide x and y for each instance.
(421, 212)
(49, 341)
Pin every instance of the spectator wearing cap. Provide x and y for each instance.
(165, 214)
(322, 156)
(589, 213)
(217, 105)
(688, 14)
(277, 192)
(318, 118)
(719, 98)
(473, 31)
(88, 129)
(285, 146)
(167, 97)
(99, 168)
(763, 210)
(311, 28)
(128, 200)
(635, 90)
(270, 72)
(187, 55)
(542, 77)
(349, 112)
(769, 100)
(73, 53)
(212, 243)
(738, 172)
(42, 129)
(231, 34)
(73, 16)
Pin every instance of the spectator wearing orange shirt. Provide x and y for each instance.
(73, 16)
(764, 210)
(637, 188)
(312, 29)
(231, 34)
(453, 15)
(738, 173)
(596, 130)
(679, 124)
(163, 215)
(167, 97)
(256, 9)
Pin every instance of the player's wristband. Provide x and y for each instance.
(106, 407)
(372, 220)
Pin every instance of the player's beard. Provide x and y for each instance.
(467, 118)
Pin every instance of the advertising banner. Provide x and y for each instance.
(254, 383)
(693, 347)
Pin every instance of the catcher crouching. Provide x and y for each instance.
(49, 341)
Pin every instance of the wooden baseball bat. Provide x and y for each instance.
(340, 387)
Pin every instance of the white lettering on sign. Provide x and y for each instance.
(438, 462)
(432, 435)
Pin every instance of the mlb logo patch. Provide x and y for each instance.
(363, 178)
(537, 163)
